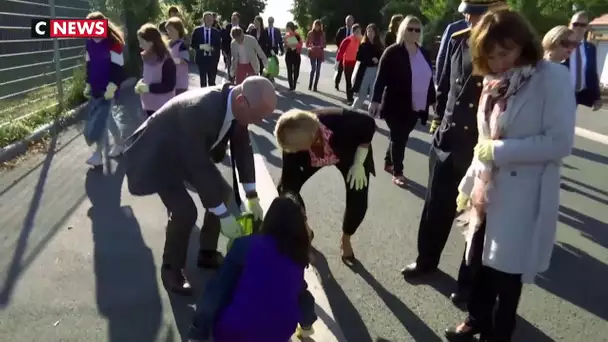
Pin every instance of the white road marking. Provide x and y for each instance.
(587, 134)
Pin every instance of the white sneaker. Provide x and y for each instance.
(116, 151)
(95, 160)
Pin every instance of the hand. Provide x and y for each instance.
(336, 65)
(230, 228)
(597, 105)
(110, 91)
(375, 60)
(357, 177)
(177, 60)
(484, 150)
(434, 125)
(462, 201)
(141, 87)
(253, 205)
(374, 109)
(87, 91)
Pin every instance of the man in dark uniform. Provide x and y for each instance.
(455, 136)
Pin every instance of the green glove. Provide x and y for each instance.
(357, 177)
(434, 125)
(230, 228)
(253, 206)
(484, 150)
(141, 87)
(110, 90)
(462, 201)
(87, 91)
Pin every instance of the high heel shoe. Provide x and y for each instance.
(348, 256)
(455, 335)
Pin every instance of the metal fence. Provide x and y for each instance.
(35, 74)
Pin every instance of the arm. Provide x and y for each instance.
(243, 156)
(443, 50)
(342, 50)
(292, 171)
(261, 54)
(594, 81)
(381, 76)
(168, 78)
(323, 41)
(195, 42)
(443, 86)
(184, 54)
(339, 37)
(558, 120)
(234, 57)
(277, 33)
(309, 40)
(299, 45)
(117, 63)
(219, 291)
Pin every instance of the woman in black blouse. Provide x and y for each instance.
(368, 56)
(326, 137)
(262, 37)
(391, 35)
(403, 92)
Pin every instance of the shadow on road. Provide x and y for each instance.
(578, 278)
(598, 158)
(126, 283)
(346, 314)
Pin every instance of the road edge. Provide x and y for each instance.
(326, 327)
(18, 148)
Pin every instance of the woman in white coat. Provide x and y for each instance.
(526, 121)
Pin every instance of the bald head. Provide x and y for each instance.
(257, 99)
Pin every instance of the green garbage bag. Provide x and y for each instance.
(272, 69)
(248, 226)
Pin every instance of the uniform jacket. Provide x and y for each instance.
(445, 42)
(254, 52)
(176, 144)
(458, 93)
(523, 199)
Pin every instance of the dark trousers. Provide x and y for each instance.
(207, 69)
(306, 301)
(179, 91)
(338, 76)
(494, 318)
(400, 126)
(439, 212)
(292, 62)
(182, 218)
(315, 72)
(348, 74)
(356, 200)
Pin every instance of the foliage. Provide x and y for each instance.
(188, 16)
(248, 9)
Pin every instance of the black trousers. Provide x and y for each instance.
(207, 70)
(150, 112)
(338, 76)
(400, 127)
(292, 62)
(356, 200)
(494, 318)
(348, 74)
(182, 214)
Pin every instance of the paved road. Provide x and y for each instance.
(76, 258)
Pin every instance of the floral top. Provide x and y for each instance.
(327, 157)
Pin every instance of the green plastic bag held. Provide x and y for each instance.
(273, 66)
(248, 226)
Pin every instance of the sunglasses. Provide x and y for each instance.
(568, 44)
(414, 29)
(579, 24)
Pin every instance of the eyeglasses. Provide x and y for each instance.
(413, 29)
(579, 24)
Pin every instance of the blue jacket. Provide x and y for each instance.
(591, 93)
(443, 46)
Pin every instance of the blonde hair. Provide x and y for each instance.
(294, 127)
(402, 30)
(554, 36)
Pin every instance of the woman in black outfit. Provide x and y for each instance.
(325, 137)
(403, 92)
(391, 35)
(368, 56)
(292, 54)
(262, 37)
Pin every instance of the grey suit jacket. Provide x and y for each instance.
(174, 145)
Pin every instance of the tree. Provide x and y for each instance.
(247, 8)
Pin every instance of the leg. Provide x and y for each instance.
(509, 293)
(319, 62)
(356, 208)
(182, 217)
(338, 76)
(398, 136)
(466, 273)
(289, 67)
(212, 73)
(296, 70)
(307, 308)
(208, 256)
(202, 73)
(348, 74)
(313, 70)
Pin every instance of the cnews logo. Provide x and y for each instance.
(69, 28)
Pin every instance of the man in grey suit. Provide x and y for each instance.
(181, 143)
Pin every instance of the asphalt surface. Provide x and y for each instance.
(79, 261)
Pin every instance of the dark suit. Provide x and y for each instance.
(443, 46)
(591, 91)
(176, 145)
(226, 40)
(458, 95)
(264, 42)
(340, 36)
(277, 46)
(207, 60)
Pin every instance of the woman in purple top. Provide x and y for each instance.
(104, 64)
(259, 293)
(157, 85)
(179, 51)
(403, 92)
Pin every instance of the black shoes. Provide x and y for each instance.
(175, 281)
(459, 300)
(414, 271)
(209, 259)
(453, 335)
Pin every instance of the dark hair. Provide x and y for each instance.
(237, 14)
(504, 28)
(290, 26)
(395, 22)
(377, 41)
(314, 23)
(285, 221)
(173, 9)
(115, 34)
(355, 28)
(260, 20)
(177, 24)
(150, 33)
